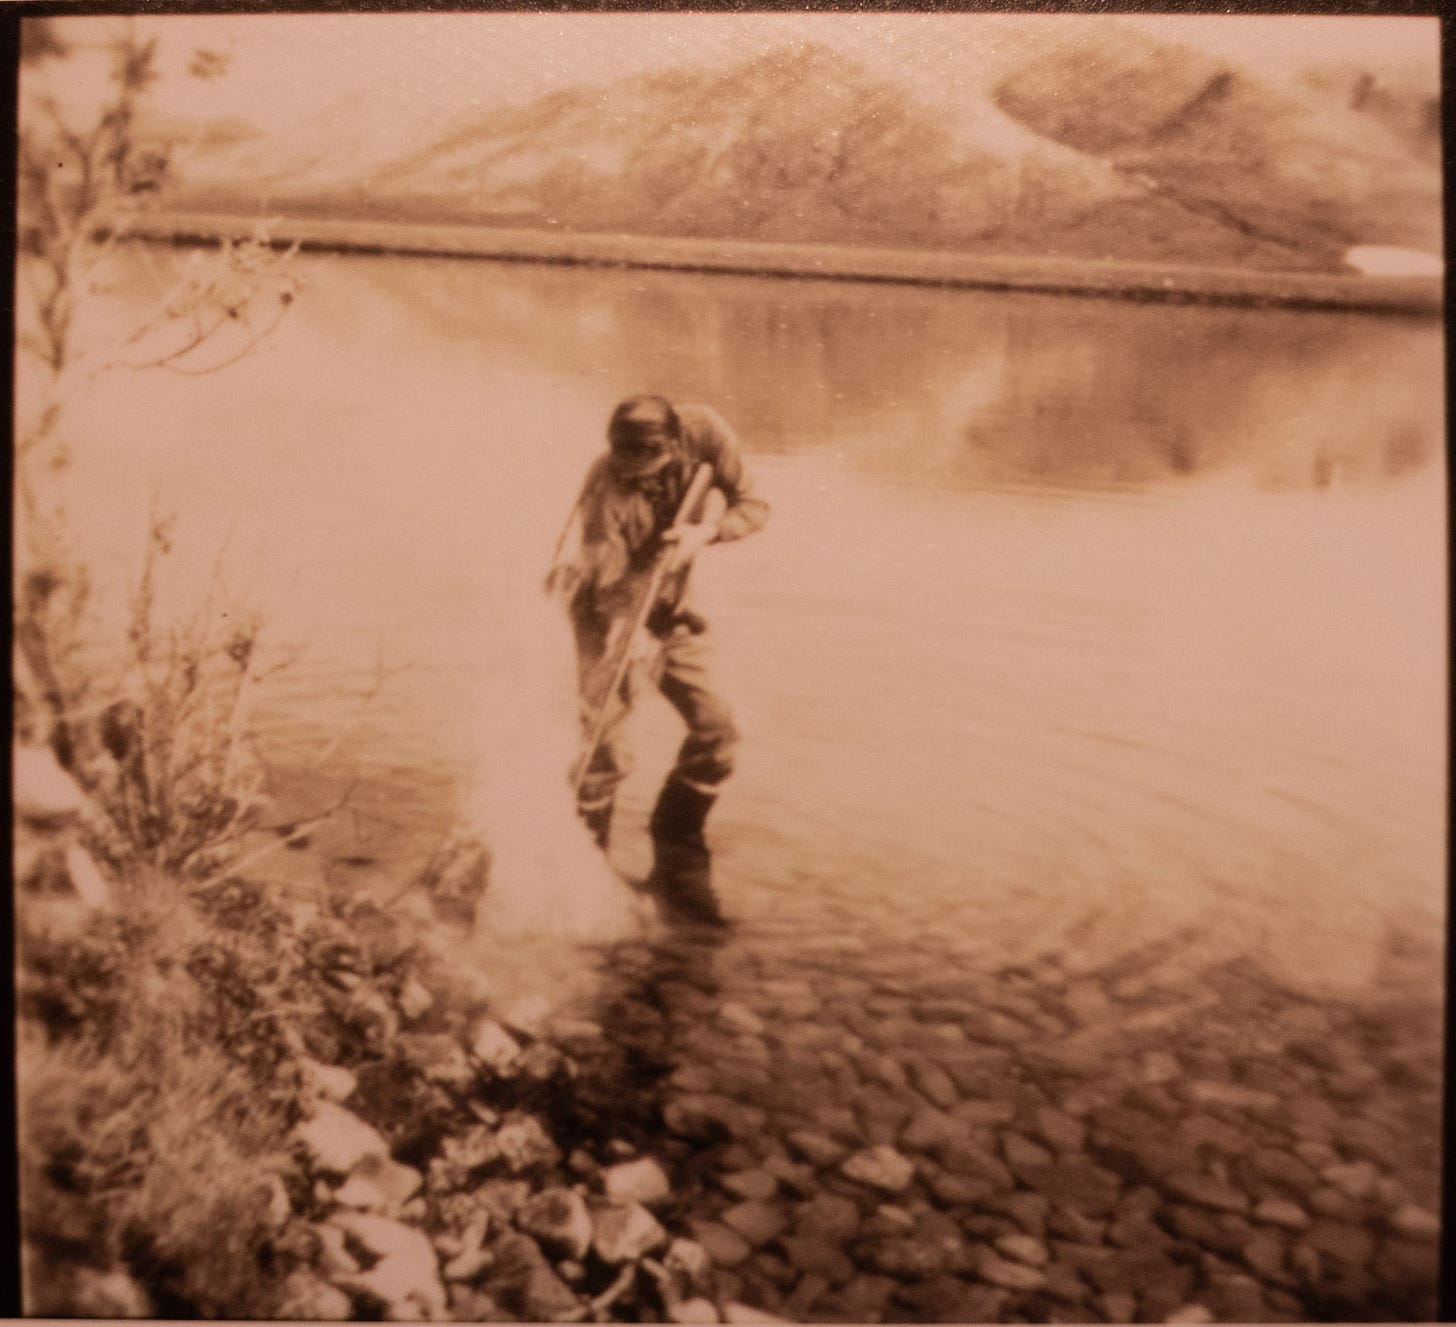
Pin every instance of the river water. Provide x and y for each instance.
(1077, 624)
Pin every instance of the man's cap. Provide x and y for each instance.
(643, 434)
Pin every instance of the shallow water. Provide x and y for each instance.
(1077, 624)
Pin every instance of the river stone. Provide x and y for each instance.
(1022, 1154)
(361, 1195)
(1118, 1306)
(559, 1221)
(337, 1140)
(1191, 1313)
(816, 1148)
(1355, 1179)
(524, 1282)
(982, 1114)
(494, 1047)
(727, 1248)
(1008, 1275)
(740, 1018)
(305, 1298)
(332, 1082)
(1414, 1222)
(640, 1181)
(880, 1167)
(827, 1216)
(699, 1116)
(438, 1058)
(406, 1277)
(523, 1143)
(1208, 1093)
(757, 1222)
(819, 1257)
(930, 1128)
(1281, 1212)
(42, 793)
(689, 1261)
(469, 1264)
(624, 1234)
(934, 1084)
(1023, 1248)
(693, 1311)
(1207, 1191)
(758, 1185)
(1059, 1130)
(743, 1313)
(415, 1000)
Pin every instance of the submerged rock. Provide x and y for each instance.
(559, 1221)
(641, 1181)
(337, 1140)
(881, 1167)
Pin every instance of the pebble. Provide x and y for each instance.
(337, 1140)
(880, 1167)
(1025, 1249)
(827, 1216)
(625, 1234)
(1207, 1191)
(1118, 1306)
(743, 1313)
(756, 1222)
(815, 1148)
(759, 1185)
(1191, 1313)
(559, 1221)
(494, 1047)
(740, 1018)
(1009, 1275)
(725, 1247)
(1415, 1222)
(930, 1128)
(468, 1265)
(1021, 1153)
(641, 1181)
(406, 1277)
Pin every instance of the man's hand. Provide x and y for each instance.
(685, 542)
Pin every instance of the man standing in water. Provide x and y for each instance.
(625, 522)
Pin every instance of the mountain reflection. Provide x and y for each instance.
(954, 386)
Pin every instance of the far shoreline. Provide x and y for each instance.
(1147, 282)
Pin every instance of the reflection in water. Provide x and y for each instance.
(958, 386)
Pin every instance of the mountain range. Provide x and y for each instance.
(1113, 146)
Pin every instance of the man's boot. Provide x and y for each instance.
(681, 876)
(598, 820)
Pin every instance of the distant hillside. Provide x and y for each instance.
(1115, 147)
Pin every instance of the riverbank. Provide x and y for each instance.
(1422, 296)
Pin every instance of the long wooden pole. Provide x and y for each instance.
(692, 499)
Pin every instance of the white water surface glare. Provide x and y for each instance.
(1078, 624)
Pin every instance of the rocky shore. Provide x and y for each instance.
(809, 1128)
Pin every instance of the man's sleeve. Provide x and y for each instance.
(746, 511)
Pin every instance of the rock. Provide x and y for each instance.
(415, 1000)
(688, 1263)
(360, 1194)
(438, 1058)
(334, 1258)
(1356, 1179)
(976, 1164)
(984, 1114)
(743, 1313)
(818, 1257)
(958, 1190)
(1118, 1306)
(816, 1148)
(1060, 1131)
(1415, 1222)
(934, 1084)
(523, 1281)
(642, 1181)
(740, 1018)
(758, 1185)
(1025, 1249)
(1232, 1094)
(1191, 1313)
(701, 1116)
(1342, 1241)
(1159, 1067)
(469, 1265)
(110, 1294)
(527, 1014)
(624, 1234)
(1281, 1212)
(337, 1140)
(406, 1277)
(559, 1221)
(930, 1128)
(693, 1310)
(495, 1048)
(757, 1222)
(280, 1206)
(43, 794)
(332, 1082)
(1266, 1254)
(808, 1292)
(1207, 1191)
(725, 1247)
(523, 1143)
(1022, 1154)
(305, 1298)
(880, 1167)
(827, 1216)
(1008, 1275)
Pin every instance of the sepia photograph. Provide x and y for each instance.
(729, 667)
